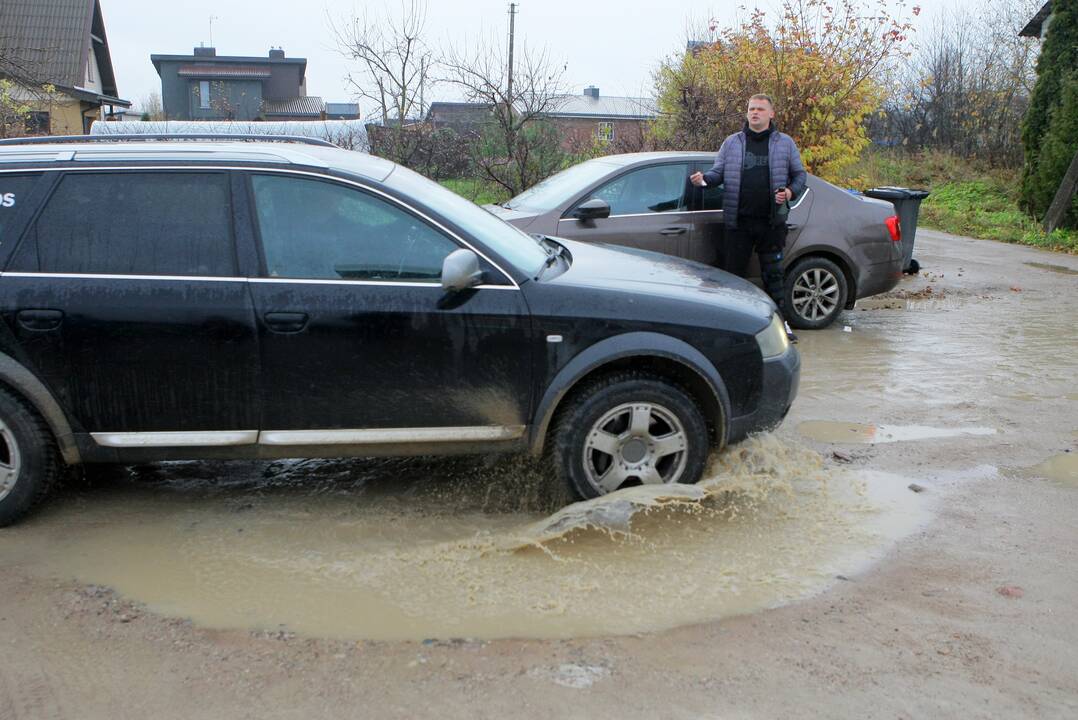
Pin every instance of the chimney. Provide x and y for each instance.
(592, 92)
(205, 52)
(276, 54)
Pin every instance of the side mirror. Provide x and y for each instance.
(460, 271)
(593, 209)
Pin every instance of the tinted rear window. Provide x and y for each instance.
(134, 224)
(14, 192)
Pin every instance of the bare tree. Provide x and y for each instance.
(519, 146)
(393, 69)
(151, 107)
(967, 87)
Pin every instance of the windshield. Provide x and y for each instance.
(558, 188)
(512, 244)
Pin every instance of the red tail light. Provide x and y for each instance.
(894, 228)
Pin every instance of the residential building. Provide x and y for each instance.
(460, 116)
(581, 120)
(208, 86)
(342, 111)
(589, 117)
(1038, 25)
(62, 44)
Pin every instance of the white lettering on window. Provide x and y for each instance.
(7, 200)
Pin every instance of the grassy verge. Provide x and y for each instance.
(968, 198)
(477, 191)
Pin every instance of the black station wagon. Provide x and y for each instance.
(189, 298)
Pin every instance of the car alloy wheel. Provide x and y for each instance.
(642, 442)
(10, 460)
(816, 294)
(628, 428)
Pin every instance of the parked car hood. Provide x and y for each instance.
(517, 217)
(613, 267)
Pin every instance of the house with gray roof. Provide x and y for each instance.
(580, 119)
(208, 86)
(60, 44)
(1038, 25)
(589, 117)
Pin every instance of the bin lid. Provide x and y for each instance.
(890, 192)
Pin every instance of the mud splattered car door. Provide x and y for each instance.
(357, 333)
(125, 296)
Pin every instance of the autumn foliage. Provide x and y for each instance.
(821, 61)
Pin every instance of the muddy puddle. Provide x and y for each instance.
(1061, 468)
(1053, 268)
(843, 432)
(362, 550)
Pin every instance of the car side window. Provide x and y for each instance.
(711, 197)
(133, 223)
(659, 188)
(706, 198)
(14, 191)
(321, 230)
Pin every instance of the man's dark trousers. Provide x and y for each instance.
(768, 241)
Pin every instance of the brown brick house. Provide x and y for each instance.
(590, 117)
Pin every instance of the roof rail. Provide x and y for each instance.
(131, 137)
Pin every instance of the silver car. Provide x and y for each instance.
(841, 247)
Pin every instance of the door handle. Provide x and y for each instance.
(286, 322)
(672, 231)
(40, 320)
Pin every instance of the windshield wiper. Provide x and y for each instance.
(554, 252)
(550, 260)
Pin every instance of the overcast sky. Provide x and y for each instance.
(614, 45)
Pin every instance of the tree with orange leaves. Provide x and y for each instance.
(822, 62)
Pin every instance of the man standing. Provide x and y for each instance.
(762, 172)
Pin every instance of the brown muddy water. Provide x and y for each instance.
(978, 374)
(465, 549)
(1061, 468)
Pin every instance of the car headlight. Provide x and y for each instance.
(772, 339)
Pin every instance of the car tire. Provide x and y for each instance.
(29, 462)
(816, 292)
(600, 441)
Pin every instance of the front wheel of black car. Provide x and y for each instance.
(629, 429)
(28, 460)
(815, 293)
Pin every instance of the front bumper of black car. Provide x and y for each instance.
(781, 377)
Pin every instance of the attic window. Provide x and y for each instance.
(90, 65)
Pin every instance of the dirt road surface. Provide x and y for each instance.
(957, 392)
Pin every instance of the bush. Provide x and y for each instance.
(1059, 57)
(1057, 150)
(968, 197)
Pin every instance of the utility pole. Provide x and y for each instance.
(512, 18)
(422, 86)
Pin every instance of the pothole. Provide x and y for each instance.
(771, 523)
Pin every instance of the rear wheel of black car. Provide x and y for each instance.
(629, 429)
(815, 293)
(29, 464)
